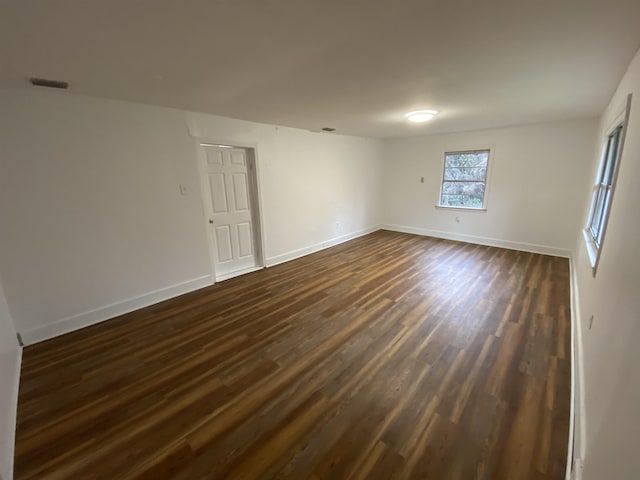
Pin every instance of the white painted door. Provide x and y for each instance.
(227, 171)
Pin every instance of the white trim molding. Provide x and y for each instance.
(301, 252)
(100, 314)
(255, 197)
(106, 312)
(492, 242)
(12, 414)
(244, 271)
(577, 418)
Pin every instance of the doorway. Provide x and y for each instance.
(230, 191)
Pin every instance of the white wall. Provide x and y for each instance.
(610, 356)
(10, 354)
(534, 194)
(93, 217)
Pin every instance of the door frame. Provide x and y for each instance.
(255, 195)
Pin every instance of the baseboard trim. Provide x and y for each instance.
(492, 242)
(301, 252)
(13, 415)
(244, 271)
(91, 317)
(572, 402)
(577, 408)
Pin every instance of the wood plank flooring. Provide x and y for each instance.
(390, 356)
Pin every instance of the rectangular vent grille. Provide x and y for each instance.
(44, 82)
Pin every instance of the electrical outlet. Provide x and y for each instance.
(457, 219)
(337, 225)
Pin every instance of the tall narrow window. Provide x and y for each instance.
(464, 179)
(604, 188)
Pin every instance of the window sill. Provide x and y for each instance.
(468, 209)
(592, 250)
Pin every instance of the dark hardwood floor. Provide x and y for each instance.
(390, 356)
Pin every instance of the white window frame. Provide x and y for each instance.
(595, 240)
(483, 207)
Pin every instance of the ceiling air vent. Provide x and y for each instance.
(328, 129)
(44, 82)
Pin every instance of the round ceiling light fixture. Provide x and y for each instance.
(420, 116)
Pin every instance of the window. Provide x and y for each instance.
(603, 193)
(464, 179)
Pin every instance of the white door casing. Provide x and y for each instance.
(229, 207)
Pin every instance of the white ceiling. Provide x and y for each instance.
(356, 65)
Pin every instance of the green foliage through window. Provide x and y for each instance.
(464, 179)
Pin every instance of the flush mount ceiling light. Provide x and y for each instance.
(420, 116)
